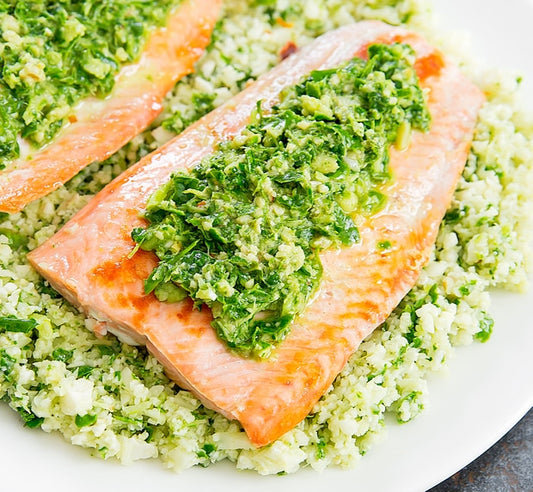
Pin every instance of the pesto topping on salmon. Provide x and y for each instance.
(55, 53)
(242, 230)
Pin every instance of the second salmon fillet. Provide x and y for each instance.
(89, 261)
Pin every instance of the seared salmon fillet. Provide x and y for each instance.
(89, 261)
(101, 127)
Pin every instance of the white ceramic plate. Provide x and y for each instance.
(487, 389)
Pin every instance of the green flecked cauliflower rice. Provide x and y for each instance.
(116, 399)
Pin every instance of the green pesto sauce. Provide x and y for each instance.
(55, 53)
(240, 232)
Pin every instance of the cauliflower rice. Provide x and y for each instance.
(116, 399)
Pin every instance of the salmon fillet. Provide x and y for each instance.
(104, 126)
(87, 261)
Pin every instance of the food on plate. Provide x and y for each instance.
(367, 269)
(241, 232)
(115, 398)
(37, 99)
